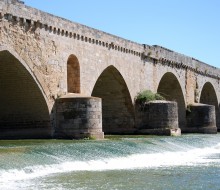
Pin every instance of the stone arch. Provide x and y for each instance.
(208, 96)
(24, 111)
(170, 88)
(117, 107)
(73, 74)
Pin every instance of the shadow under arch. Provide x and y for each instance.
(170, 88)
(117, 107)
(24, 111)
(73, 74)
(208, 96)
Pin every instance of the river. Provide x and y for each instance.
(188, 162)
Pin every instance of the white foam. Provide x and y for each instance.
(192, 157)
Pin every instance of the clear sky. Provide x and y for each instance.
(190, 27)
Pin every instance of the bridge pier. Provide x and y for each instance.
(201, 118)
(158, 118)
(78, 117)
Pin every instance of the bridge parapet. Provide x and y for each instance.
(16, 12)
(173, 59)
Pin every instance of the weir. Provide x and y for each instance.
(44, 59)
(42, 161)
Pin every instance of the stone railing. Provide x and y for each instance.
(17, 13)
(158, 54)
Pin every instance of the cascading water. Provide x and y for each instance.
(150, 163)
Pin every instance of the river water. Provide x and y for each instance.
(188, 162)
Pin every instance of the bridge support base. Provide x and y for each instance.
(201, 119)
(158, 118)
(78, 117)
(163, 131)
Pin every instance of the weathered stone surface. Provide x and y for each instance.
(54, 56)
(201, 118)
(78, 117)
(158, 118)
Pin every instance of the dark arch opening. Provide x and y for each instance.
(73, 74)
(117, 107)
(208, 96)
(170, 88)
(23, 110)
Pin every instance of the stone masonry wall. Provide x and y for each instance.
(44, 43)
(78, 117)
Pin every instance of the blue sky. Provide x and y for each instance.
(190, 27)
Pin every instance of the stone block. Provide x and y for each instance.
(201, 118)
(158, 118)
(78, 118)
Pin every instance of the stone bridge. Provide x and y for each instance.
(44, 58)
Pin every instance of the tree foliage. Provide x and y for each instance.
(146, 96)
